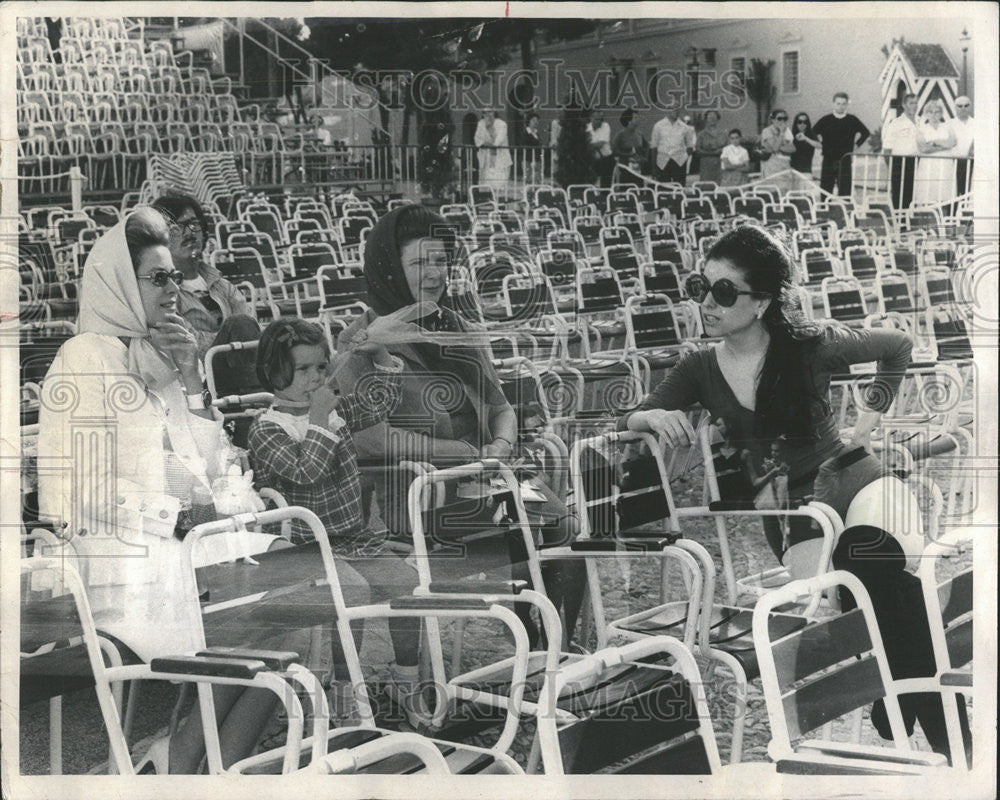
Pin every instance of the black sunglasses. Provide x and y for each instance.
(723, 290)
(160, 277)
(781, 119)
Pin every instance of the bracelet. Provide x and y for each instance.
(510, 444)
(196, 402)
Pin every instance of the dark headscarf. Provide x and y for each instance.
(387, 287)
(389, 292)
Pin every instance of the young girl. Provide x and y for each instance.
(302, 447)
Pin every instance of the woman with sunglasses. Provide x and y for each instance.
(124, 421)
(768, 378)
(776, 140)
(805, 144)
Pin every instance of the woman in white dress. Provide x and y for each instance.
(130, 439)
(934, 180)
(494, 155)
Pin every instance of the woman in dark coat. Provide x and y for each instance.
(452, 410)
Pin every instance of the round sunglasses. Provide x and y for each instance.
(160, 277)
(723, 290)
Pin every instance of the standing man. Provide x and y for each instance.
(672, 142)
(899, 142)
(962, 126)
(600, 144)
(839, 133)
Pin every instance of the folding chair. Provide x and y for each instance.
(624, 262)
(661, 277)
(620, 501)
(571, 695)
(949, 611)
(652, 333)
(824, 671)
(843, 300)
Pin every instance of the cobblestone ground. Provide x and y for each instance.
(627, 586)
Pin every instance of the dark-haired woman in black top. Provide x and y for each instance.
(805, 143)
(769, 379)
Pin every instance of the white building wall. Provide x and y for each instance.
(834, 55)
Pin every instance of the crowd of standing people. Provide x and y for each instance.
(927, 153)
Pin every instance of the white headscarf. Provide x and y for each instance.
(110, 304)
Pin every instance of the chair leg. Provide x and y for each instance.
(130, 704)
(55, 736)
(534, 757)
(456, 648)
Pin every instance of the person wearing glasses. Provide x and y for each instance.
(768, 378)
(212, 307)
(805, 144)
(129, 385)
(776, 141)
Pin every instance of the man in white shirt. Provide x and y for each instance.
(600, 144)
(899, 141)
(672, 142)
(962, 126)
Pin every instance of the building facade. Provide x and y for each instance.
(698, 62)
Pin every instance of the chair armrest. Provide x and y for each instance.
(478, 587)
(959, 679)
(424, 603)
(278, 660)
(239, 668)
(830, 765)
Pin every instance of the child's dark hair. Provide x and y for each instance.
(786, 396)
(275, 365)
(737, 131)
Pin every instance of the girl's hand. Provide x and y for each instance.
(174, 338)
(322, 404)
(674, 426)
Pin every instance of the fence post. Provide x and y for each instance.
(76, 179)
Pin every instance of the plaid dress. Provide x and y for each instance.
(318, 469)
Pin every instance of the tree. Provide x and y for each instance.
(761, 89)
(576, 162)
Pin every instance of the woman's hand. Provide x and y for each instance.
(499, 449)
(674, 426)
(377, 352)
(866, 423)
(174, 338)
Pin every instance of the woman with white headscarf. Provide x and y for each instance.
(131, 451)
(494, 153)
